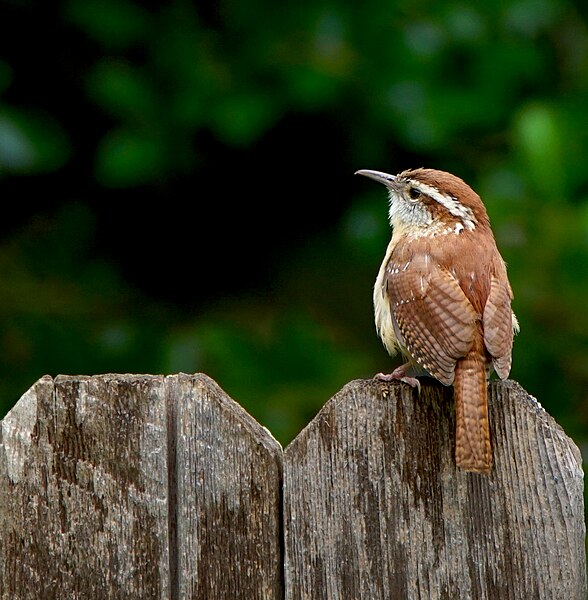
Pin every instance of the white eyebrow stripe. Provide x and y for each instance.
(449, 202)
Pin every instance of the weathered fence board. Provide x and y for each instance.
(83, 491)
(375, 508)
(139, 486)
(228, 475)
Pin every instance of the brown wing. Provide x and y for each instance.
(433, 318)
(498, 326)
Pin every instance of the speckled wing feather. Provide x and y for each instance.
(433, 317)
(498, 326)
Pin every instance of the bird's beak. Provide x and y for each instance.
(385, 178)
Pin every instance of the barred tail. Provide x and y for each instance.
(473, 451)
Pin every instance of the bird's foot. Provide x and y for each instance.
(400, 374)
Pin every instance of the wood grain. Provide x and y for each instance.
(374, 506)
(228, 481)
(124, 486)
(140, 486)
(83, 490)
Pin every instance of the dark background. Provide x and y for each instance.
(177, 189)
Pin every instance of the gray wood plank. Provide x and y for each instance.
(375, 508)
(83, 490)
(228, 475)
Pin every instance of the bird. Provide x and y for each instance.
(443, 299)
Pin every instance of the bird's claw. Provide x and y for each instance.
(398, 375)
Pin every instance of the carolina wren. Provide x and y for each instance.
(442, 298)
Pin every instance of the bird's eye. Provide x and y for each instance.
(414, 193)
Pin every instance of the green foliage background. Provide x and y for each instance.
(496, 92)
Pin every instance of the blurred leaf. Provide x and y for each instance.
(30, 142)
(124, 91)
(530, 17)
(16, 149)
(126, 158)
(240, 118)
(188, 61)
(538, 135)
(117, 24)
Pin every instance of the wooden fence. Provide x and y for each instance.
(139, 486)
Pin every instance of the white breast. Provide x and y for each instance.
(382, 314)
